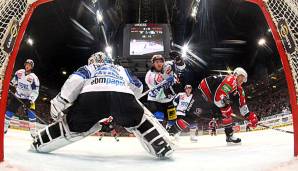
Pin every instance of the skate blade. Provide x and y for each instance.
(233, 144)
(194, 141)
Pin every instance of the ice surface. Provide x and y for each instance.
(260, 150)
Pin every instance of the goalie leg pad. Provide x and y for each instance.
(153, 136)
(58, 135)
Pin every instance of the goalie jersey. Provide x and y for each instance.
(100, 78)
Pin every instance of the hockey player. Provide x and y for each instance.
(95, 93)
(213, 97)
(160, 100)
(213, 126)
(182, 101)
(26, 84)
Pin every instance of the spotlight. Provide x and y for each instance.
(30, 41)
(261, 42)
(184, 50)
(99, 16)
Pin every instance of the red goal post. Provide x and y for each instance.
(282, 18)
(14, 18)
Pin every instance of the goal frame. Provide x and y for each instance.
(286, 68)
(259, 3)
(10, 66)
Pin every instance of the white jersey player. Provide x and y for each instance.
(160, 100)
(96, 93)
(182, 101)
(27, 90)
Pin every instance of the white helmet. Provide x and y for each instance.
(99, 57)
(29, 61)
(240, 71)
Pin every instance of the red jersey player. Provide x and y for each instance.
(213, 97)
(213, 126)
(217, 89)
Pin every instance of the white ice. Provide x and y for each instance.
(260, 150)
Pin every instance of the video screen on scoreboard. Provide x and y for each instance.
(146, 39)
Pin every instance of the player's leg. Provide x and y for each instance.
(58, 135)
(32, 117)
(11, 109)
(192, 129)
(157, 110)
(142, 123)
(84, 118)
(227, 122)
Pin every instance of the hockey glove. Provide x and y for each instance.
(32, 105)
(226, 101)
(107, 124)
(58, 104)
(252, 118)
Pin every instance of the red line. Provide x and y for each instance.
(287, 70)
(9, 70)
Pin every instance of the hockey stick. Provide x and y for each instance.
(156, 87)
(262, 125)
(26, 107)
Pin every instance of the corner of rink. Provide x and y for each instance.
(5, 166)
(291, 165)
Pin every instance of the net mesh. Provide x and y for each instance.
(286, 11)
(9, 10)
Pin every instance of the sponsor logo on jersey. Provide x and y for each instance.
(184, 104)
(226, 88)
(158, 78)
(23, 86)
(29, 79)
(108, 81)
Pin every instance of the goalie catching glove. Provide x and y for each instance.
(252, 118)
(58, 104)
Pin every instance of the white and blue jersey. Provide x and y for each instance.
(27, 85)
(181, 101)
(100, 78)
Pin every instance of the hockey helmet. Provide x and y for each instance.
(240, 71)
(29, 61)
(188, 86)
(157, 57)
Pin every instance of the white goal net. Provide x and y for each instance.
(12, 13)
(285, 17)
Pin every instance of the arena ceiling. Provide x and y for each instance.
(224, 33)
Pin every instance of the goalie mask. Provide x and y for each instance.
(99, 57)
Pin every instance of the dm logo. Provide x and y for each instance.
(11, 35)
(284, 30)
(286, 36)
(14, 31)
